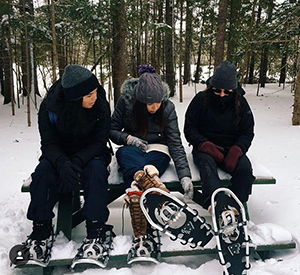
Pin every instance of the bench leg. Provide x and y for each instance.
(64, 216)
(48, 270)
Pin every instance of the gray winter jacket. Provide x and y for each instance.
(122, 126)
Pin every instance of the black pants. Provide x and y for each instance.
(241, 180)
(44, 193)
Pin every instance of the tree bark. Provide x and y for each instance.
(119, 63)
(296, 111)
(221, 30)
(169, 49)
(188, 42)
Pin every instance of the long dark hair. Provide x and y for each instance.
(73, 117)
(140, 117)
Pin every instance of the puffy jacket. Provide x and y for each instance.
(208, 119)
(57, 142)
(121, 127)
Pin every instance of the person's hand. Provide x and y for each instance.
(232, 158)
(69, 175)
(139, 143)
(188, 188)
(151, 170)
(212, 149)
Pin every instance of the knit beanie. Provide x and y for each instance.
(149, 88)
(224, 77)
(77, 82)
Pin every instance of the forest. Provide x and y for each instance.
(177, 37)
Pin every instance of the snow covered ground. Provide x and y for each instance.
(273, 208)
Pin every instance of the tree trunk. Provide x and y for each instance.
(283, 67)
(296, 111)
(119, 64)
(169, 49)
(188, 42)
(198, 65)
(235, 11)
(221, 30)
(54, 50)
(180, 52)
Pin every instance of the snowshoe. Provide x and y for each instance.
(145, 249)
(96, 251)
(230, 227)
(32, 252)
(172, 216)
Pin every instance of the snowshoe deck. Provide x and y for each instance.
(232, 237)
(175, 218)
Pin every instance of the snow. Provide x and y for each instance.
(274, 209)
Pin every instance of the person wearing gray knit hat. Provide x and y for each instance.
(145, 124)
(149, 88)
(224, 77)
(77, 82)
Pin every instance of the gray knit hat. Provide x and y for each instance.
(77, 82)
(149, 88)
(224, 77)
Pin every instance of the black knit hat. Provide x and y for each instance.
(149, 88)
(77, 82)
(224, 77)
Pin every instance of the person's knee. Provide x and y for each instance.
(96, 166)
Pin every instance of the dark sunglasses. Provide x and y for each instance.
(218, 91)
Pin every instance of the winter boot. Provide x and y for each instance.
(148, 178)
(96, 246)
(228, 221)
(144, 247)
(40, 242)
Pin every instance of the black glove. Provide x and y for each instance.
(69, 175)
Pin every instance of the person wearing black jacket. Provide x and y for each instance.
(219, 125)
(74, 125)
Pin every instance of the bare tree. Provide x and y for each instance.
(221, 30)
(169, 48)
(119, 64)
(296, 111)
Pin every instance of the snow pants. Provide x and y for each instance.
(131, 159)
(44, 193)
(241, 178)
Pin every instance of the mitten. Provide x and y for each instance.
(139, 143)
(212, 149)
(188, 188)
(69, 175)
(232, 158)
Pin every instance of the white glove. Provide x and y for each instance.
(139, 143)
(151, 170)
(188, 188)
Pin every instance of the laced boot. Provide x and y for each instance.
(143, 244)
(138, 219)
(228, 220)
(148, 178)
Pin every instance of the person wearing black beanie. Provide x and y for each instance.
(219, 124)
(74, 125)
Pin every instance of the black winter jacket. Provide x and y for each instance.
(57, 142)
(122, 126)
(207, 118)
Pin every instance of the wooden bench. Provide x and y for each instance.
(69, 207)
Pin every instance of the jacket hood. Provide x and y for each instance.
(129, 86)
